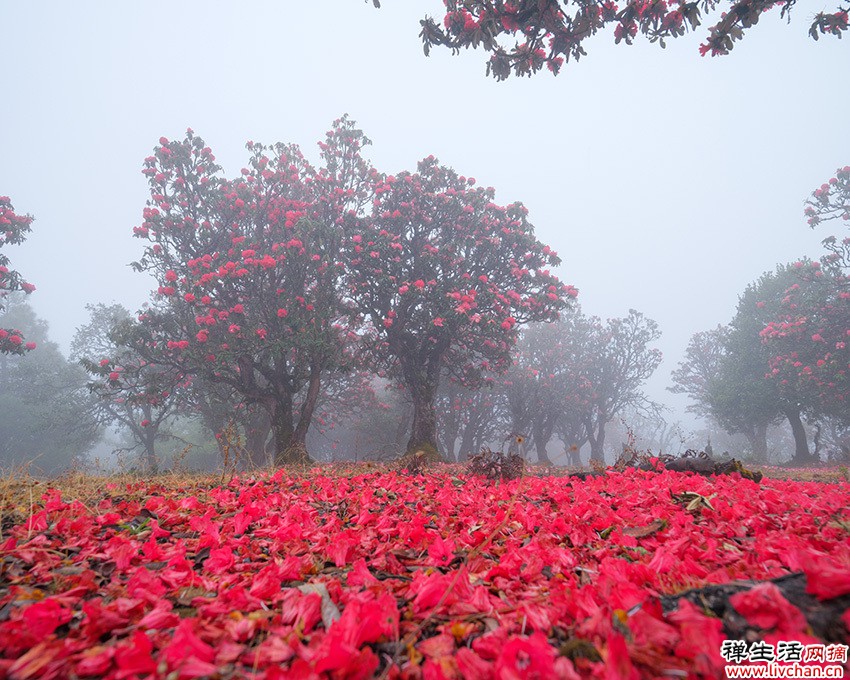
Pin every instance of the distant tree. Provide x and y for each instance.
(525, 36)
(140, 397)
(46, 412)
(248, 272)
(470, 418)
(618, 361)
(13, 229)
(348, 397)
(443, 277)
(723, 374)
(703, 360)
(231, 421)
(571, 431)
(648, 429)
(547, 388)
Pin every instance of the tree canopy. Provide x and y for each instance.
(526, 36)
(444, 276)
(277, 280)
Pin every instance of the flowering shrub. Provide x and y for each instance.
(434, 576)
(13, 229)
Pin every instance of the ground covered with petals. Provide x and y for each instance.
(377, 573)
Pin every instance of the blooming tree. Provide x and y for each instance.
(525, 36)
(140, 397)
(807, 339)
(443, 276)
(809, 331)
(817, 309)
(766, 315)
(13, 229)
(248, 272)
(830, 201)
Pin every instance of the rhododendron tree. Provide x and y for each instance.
(139, 397)
(443, 277)
(814, 320)
(526, 36)
(831, 200)
(248, 271)
(13, 230)
(764, 310)
(807, 339)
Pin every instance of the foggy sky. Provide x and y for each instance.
(666, 181)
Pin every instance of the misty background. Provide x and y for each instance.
(666, 181)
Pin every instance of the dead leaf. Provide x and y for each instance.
(330, 612)
(642, 532)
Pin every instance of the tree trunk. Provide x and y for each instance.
(150, 453)
(257, 428)
(449, 439)
(148, 436)
(540, 441)
(467, 443)
(423, 433)
(596, 439)
(758, 442)
(801, 442)
(597, 446)
(286, 449)
(305, 417)
(573, 453)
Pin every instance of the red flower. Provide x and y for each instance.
(531, 657)
(42, 618)
(765, 607)
(135, 656)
